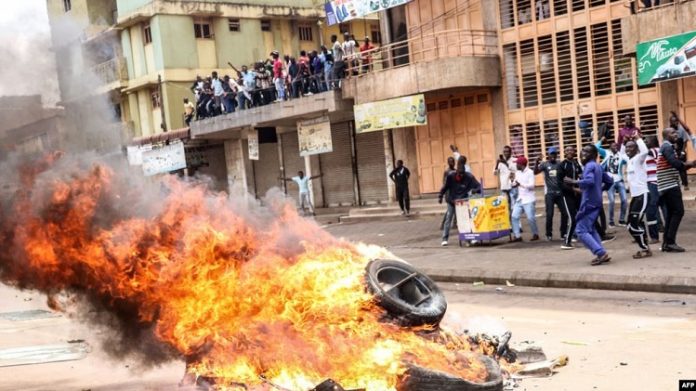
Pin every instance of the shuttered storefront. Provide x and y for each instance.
(266, 169)
(292, 162)
(337, 168)
(372, 174)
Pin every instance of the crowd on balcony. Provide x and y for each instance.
(279, 78)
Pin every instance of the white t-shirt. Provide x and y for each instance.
(302, 183)
(217, 87)
(504, 173)
(349, 49)
(526, 189)
(638, 171)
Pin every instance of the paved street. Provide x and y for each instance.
(532, 263)
(651, 333)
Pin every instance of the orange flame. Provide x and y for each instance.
(232, 297)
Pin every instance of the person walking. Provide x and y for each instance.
(553, 190)
(451, 167)
(653, 211)
(637, 174)
(592, 182)
(302, 182)
(400, 176)
(614, 163)
(570, 168)
(668, 167)
(523, 180)
(458, 185)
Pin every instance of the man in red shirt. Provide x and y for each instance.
(278, 79)
(366, 54)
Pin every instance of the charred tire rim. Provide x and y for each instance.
(421, 379)
(410, 297)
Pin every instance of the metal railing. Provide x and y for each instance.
(110, 71)
(425, 48)
(638, 6)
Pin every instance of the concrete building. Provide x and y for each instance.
(28, 128)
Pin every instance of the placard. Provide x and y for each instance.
(314, 136)
(666, 58)
(253, 141)
(163, 160)
(392, 113)
(340, 11)
(135, 154)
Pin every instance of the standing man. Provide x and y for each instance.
(450, 168)
(653, 211)
(458, 185)
(216, 84)
(570, 168)
(628, 130)
(400, 176)
(554, 190)
(278, 78)
(366, 55)
(503, 167)
(303, 185)
(523, 180)
(684, 136)
(591, 184)
(613, 162)
(339, 68)
(668, 167)
(188, 111)
(637, 173)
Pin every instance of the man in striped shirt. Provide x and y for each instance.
(653, 212)
(668, 167)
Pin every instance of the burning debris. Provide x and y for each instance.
(251, 298)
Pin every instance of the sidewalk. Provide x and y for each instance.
(541, 264)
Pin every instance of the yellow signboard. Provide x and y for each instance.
(390, 114)
(489, 214)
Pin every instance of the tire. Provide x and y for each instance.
(421, 379)
(408, 304)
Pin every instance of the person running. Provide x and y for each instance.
(668, 167)
(570, 168)
(400, 176)
(303, 185)
(637, 173)
(614, 162)
(592, 182)
(523, 180)
(553, 190)
(458, 185)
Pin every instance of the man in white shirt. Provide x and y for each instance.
(503, 168)
(303, 185)
(523, 181)
(349, 51)
(636, 154)
(216, 84)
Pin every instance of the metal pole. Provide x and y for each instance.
(354, 160)
(161, 97)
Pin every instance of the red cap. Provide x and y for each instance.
(521, 160)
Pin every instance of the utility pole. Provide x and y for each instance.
(161, 99)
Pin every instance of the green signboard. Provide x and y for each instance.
(666, 58)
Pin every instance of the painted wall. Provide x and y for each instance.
(173, 101)
(174, 42)
(137, 53)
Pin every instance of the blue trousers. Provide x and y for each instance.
(586, 231)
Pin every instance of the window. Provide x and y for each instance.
(647, 118)
(147, 34)
(570, 134)
(565, 66)
(234, 25)
(600, 58)
(546, 70)
(533, 140)
(507, 14)
(524, 11)
(375, 35)
(623, 77)
(67, 5)
(560, 7)
(265, 25)
(551, 134)
(511, 76)
(155, 97)
(202, 30)
(516, 140)
(582, 63)
(305, 31)
(529, 79)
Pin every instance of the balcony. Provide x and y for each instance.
(649, 23)
(285, 113)
(442, 60)
(112, 74)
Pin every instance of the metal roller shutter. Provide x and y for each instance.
(266, 169)
(292, 161)
(337, 167)
(372, 173)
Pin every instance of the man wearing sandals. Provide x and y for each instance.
(637, 171)
(593, 181)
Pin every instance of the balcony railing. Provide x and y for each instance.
(637, 6)
(111, 71)
(425, 48)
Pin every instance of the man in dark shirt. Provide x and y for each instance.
(458, 185)
(553, 195)
(628, 130)
(570, 168)
(400, 177)
(450, 168)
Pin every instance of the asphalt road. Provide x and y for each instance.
(652, 334)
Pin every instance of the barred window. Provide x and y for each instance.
(534, 141)
(511, 76)
(529, 81)
(265, 25)
(647, 118)
(547, 75)
(578, 5)
(560, 7)
(565, 66)
(234, 25)
(202, 29)
(147, 34)
(305, 32)
(570, 133)
(516, 140)
(552, 137)
(623, 76)
(582, 63)
(507, 14)
(600, 59)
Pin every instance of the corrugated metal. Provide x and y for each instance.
(267, 168)
(292, 161)
(337, 168)
(371, 167)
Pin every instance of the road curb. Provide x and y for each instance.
(660, 284)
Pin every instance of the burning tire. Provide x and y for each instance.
(410, 297)
(422, 379)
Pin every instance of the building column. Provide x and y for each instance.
(389, 162)
(236, 168)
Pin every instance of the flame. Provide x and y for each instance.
(236, 299)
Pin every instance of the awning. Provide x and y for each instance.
(183, 133)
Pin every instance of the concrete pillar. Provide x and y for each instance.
(313, 165)
(236, 168)
(498, 112)
(668, 97)
(389, 163)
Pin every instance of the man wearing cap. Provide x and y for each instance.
(278, 79)
(553, 190)
(523, 180)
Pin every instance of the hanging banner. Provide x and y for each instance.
(339, 11)
(666, 58)
(253, 141)
(165, 159)
(390, 114)
(314, 136)
(135, 154)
